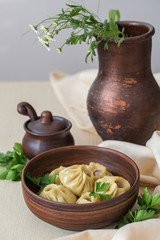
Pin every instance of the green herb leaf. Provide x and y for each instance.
(3, 173)
(35, 180)
(13, 162)
(147, 198)
(155, 202)
(18, 166)
(149, 207)
(104, 197)
(94, 195)
(141, 215)
(100, 187)
(86, 28)
(146, 201)
(52, 178)
(18, 148)
(43, 181)
(114, 15)
(11, 175)
(5, 158)
(106, 46)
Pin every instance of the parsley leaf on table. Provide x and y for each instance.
(141, 215)
(12, 163)
(149, 207)
(149, 202)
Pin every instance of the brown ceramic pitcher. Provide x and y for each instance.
(124, 100)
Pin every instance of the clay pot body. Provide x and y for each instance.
(123, 101)
(34, 144)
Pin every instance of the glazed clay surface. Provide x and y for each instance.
(123, 101)
(80, 216)
(44, 132)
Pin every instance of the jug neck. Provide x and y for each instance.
(134, 53)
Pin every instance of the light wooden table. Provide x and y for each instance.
(16, 220)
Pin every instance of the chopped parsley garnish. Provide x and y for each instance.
(42, 182)
(99, 188)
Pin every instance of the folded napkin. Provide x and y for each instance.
(72, 93)
(146, 230)
(147, 157)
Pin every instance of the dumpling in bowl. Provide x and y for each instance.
(117, 185)
(56, 171)
(78, 178)
(85, 198)
(58, 193)
(122, 184)
(98, 170)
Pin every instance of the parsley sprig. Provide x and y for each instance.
(42, 182)
(99, 188)
(85, 25)
(12, 163)
(149, 207)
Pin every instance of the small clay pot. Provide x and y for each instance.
(45, 132)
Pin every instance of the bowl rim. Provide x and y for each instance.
(87, 206)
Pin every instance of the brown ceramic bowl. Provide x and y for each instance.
(80, 216)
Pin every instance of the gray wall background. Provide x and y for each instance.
(21, 60)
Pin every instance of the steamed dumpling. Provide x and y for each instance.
(117, 185)
(58, 193)
(78, 178)
(85, 198)
(123, 184)
(111, 189)
(98, 170)
(56, 171)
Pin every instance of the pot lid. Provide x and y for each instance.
(47, 124)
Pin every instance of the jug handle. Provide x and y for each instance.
(25, 108)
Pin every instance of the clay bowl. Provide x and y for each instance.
(80, 216)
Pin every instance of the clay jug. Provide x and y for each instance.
(124, 100)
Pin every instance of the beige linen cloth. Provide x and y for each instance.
(72, 93)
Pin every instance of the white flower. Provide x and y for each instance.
(44, 29)
(59, 50)
(33, 28)
(49, 37)
(47, 46)
(40, 40)
(44, 42)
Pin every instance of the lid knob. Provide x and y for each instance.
(46, 117)
(46, 124)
